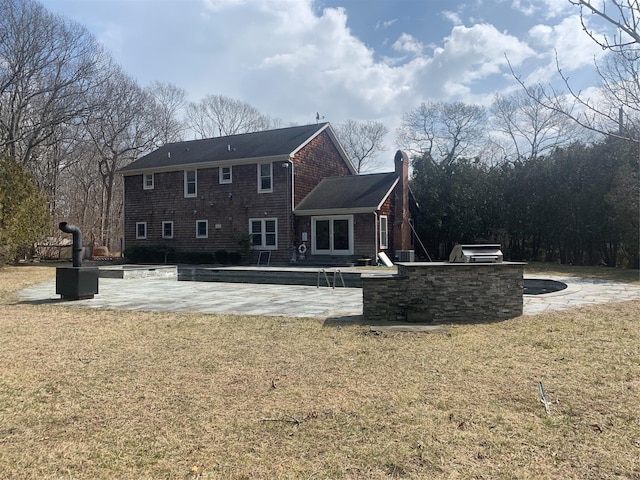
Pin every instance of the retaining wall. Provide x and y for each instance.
(445, 292)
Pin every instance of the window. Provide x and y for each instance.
(167, 229)
(384, 232)
(202, 229)
(190, 183)
(225, 174)
(265, 178)
(264, 233)
(141, 230)
(147, 181)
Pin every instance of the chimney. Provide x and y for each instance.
(401, 227)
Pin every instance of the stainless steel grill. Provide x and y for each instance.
(489, 253)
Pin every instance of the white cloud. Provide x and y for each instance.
(218, 5)
(566, 41)
(453, 17)
(407, 43)
(290, 62)
(472, 54)
(383, 25)
(542, 8)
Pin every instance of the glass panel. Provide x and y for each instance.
(270, 226)
(202, 229)
(322, 235)
(167, 229)
(341, 234)
(265, 176)
(148, 181)
(191, 182)
(383, 232)
(270, 238)
(256, 232)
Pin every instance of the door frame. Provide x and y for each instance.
(331, 251)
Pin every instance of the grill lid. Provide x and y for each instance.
(488, 253)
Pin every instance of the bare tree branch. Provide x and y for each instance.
(218, 115)
(627, 23)
(363, 142)
(443, 131)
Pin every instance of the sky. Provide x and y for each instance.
(344, 59)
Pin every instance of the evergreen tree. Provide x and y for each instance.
(24, 214)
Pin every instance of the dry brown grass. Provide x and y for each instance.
(110, 394)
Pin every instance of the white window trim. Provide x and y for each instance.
(384, 239)
(165, 223)
(140, 237)
(195, 194)
(263, 233)
(260, 189)
(222, 180)
(206, 228)
(144, 181)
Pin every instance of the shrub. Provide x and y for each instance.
(149, 254)
(235, 258)
(195, 257)
(222, 256)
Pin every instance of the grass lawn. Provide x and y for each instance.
(114, 394)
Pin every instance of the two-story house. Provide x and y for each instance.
(291, 191)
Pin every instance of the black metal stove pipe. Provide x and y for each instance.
(77, 242)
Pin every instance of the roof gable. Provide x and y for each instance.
(281, 142)
(356, 193)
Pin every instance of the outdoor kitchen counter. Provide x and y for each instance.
(445, 292)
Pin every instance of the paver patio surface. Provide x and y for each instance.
(293, 300)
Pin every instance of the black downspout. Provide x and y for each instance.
(77, 242)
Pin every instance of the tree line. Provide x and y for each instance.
(576, 205)
(70, 117)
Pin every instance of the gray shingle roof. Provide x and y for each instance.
(268, 143)
(356, 193)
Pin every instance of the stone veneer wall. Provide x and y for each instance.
(444, 292)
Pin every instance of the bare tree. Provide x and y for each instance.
(443, 131)
(363, 142)
(80, 192)
(171, 101)
(120, 131)
(47, 66)
(527, 126)
(218, 115)
(616, 111)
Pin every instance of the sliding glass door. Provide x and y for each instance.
(332, 235)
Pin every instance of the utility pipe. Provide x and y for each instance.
(77, 242)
